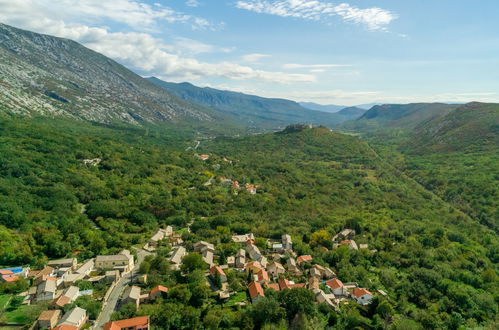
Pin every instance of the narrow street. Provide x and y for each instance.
(110, 307)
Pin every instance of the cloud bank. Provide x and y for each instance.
(373, 18)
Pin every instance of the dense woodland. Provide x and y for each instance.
(436, 248)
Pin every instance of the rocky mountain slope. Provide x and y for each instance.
(41, 74)
(254, 111)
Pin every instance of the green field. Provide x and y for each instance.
(237, 298)
(15, 313)
(3, 301)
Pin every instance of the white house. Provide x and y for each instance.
(362, 296)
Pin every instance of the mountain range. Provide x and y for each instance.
(254, 111)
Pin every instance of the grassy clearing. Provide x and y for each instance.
(237, 298)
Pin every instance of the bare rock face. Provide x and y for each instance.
(41, 74)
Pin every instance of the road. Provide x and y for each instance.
(112, 302)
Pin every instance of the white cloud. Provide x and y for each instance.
(192, 3)
(314, 66)
(139, 50)
(373, 18)
(254, 58)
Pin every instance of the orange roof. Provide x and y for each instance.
(253, 264)
(159, 288)
(298, 285)
(48, 315)
(334, 283)
(284, 284)
(255, 289)
(273, 286)
(301, 259)
(6, 272)
(10, 278)
(65, 327)
(263, 275)
(140, 321)
(217, 269)
(345, 242)
(359, 292)
(62, 301)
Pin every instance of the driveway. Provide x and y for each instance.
(112, 302)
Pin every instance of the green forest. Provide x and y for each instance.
(432, 230)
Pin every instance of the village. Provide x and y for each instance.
(114, 279)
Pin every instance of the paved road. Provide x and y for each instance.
(112, 302)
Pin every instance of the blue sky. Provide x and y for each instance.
(329, 52)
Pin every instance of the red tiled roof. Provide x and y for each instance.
(141, 322)
(298, 285)
(334, 283)
(284, 284)
(48, 315)
(359, 292)
(345, 242)
(62, 301)
(255, 290)
(217, 269)
(301, 259)
(65, 327)
(253, 264)
(263, 275)
(159, 288)
(7, 278)
(273, 286)
(6, 272)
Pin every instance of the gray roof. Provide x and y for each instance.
(46, 286)
(177, 255)
(72, 292)
(87, 266)
(115, 257)
(73, 316)
(132, 292)
(68, 261)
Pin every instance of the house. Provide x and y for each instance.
(76, 317)
(132, 296)
(61, 302)
(253, 251)
(315, 272)
(65, 327)
(253, 267)
(240, 258)
(202, 245)
(275, 269)
(63, 263)
(337, 287)
(287, 244)
(157, 292)
(122, 261)
(48, 319)
(273, 286)
(46, 290)
(251, 188)
(263, 276)
(9, 278)
(301, 259)
(177, 255)
(112, 275)
(86, 268)
(243, 238)
(72, 293)
(136, 323)
(362, 296)
(286, 284)
(293, 267)
(207, 255)
(363, 246)
(156, 238)
(277, 247)
(263, 262)
(313, 282)
(16, 271)
(231, 261)
(214, 270)
(72, 278)
(322, 298)
(46, 271)
(350, 244)
(6, 273)
(203, 157)
(328, 273)
(344, 234)
(255, 291)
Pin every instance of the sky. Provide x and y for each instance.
(323, 51)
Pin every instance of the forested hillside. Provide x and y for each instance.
(437, 265)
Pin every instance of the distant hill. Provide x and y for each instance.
(473, 126)
(41, 74)
(253, 111)
(398, 116)
(320, 107)
(352, 112)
